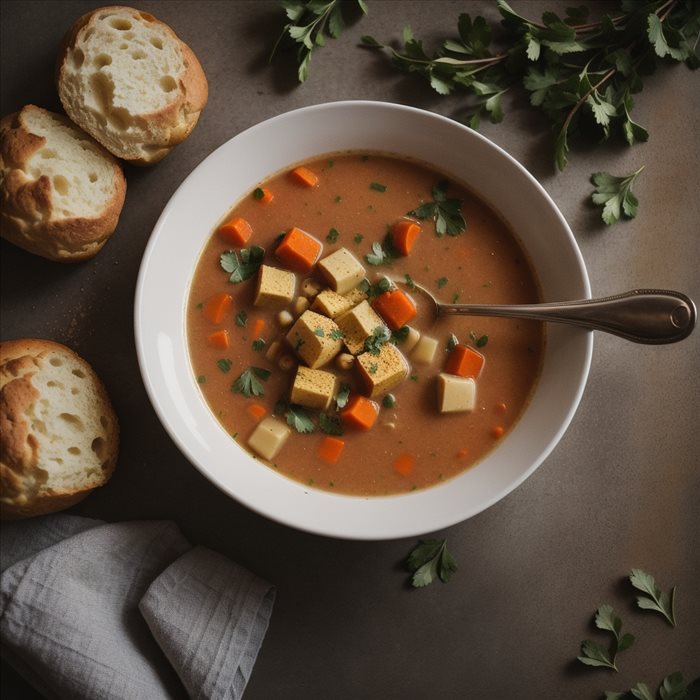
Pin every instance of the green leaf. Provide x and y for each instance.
(380, 336)
(242, 265)
(430, 560)
(224, 365)
(446, 212)
(616, 195)
(378, 256)
(329, 423)
(653, 598)
(249, 382)
(593, 654)
(342, 396)
(299, 419)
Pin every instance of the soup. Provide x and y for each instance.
(315, 348)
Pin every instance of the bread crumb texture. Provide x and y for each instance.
(130, 82)
(59, 435)
(61, 192)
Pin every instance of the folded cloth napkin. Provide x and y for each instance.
(126, 610)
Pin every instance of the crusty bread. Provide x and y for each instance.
(61, 192)
(59, 435)
(130, 82)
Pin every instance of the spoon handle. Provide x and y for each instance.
(651, 316)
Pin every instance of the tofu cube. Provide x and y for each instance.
(331, 304)
(381, 373)
(455, 393)
(424, 351)
(316, 339)
(357, 325)
(313, 388)
(342, 270)
(268, 437)
(275, 288)
(355, 296)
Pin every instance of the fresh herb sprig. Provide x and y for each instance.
(242, 265)
(614, 194)
(445, 211)
(250, 382)
(310, 23)
(654, 598)
(430, 560)
(594, 653)
(672, 687)
(577, 71)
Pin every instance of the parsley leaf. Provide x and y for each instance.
(241, 319)
(343, 395)
(332, 235)
(329, 423)
(380, 336)
(299, 419)
(428, 560)
(242, 264)
(672, 687)
(378, 256)
(224, 365)
(653, 598)
(445, 212)
(249, 382)
(615, 194)
(593, 653)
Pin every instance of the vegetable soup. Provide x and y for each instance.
(317, 352)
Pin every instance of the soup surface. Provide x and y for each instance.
(436, 406)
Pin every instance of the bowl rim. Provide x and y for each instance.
(363, 520)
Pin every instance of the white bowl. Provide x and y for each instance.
(219, 181)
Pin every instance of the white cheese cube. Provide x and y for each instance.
(382, 372)
(268, 437)
(424, 351)
(275, 288)
(316, 339)
(357, 325)
(455, 393)
(313, 388)
(342, 270)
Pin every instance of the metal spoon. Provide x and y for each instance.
(652, 316)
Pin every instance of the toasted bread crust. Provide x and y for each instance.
(29, 218)
(30, 479)
(158, 131)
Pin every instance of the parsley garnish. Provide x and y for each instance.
(372, 369)
(445, 212)
(358, 238)
(378, 256)
(336, 334)
(672, 687)
(441, 282)
(299, 419)
(398, 336)
(654, 598)
(342, 396)
(595, 654)
(373, 343)
(241, 319)
(615, 194)
(243, 267)
(330, 424)
(478, 340)
(379, 287)
(201, 379)
(389, 401)
(452, 342)
(224, 365)
(319, 332)
(258, 344)
(258, 193)
(377, 186)
(249, 383)
(429, 559)
(332, 235)
(310, 21)
(409, 281)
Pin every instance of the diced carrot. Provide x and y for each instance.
(298, 250)
(304, 176)
(264, 196)
(404, 234)
(257, 410)
(217, 306)
(218, 339)
(404, 463)
(395, 307)
(359, 412)
(464, 362)
(236, 231)
(257, 328)
(498, 431)
(330, 449)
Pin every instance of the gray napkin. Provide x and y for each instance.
(126, 610)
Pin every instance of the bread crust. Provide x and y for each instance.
(161, 129)
(28, 217)
(29, 476)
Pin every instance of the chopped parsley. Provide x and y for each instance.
(374, 290)
(452, 342)
(373, 343)
(342, 396)
(441, 282)
(224, 365)
(319, 332)
(445, 211)
(249, 382)
(332, 235)
(296, 417)
(398, 336)
(201, 379)
(241, 319)
(377, 187)
(336, 334)
(379, 255)
(258, 344)
(358, 238)
(329, 423)
(242, 265)
(258, 193)
(428, 560)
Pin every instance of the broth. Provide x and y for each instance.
(411, 445)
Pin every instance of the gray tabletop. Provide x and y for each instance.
(621, 490)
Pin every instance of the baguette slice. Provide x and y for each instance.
(130, 82)
(59, 435)
(61, 192)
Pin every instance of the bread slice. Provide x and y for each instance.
(61, 192)
(130, 82)
(59, 435)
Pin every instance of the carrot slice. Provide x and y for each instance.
(257, 410)
(404, 234)
(330, 449)
(395, 307)
(298, 250)
(304, 176)
(218, 339)
(464, 362)
(359, 412)
(404, 463)
(236, 231)
(217, 306)
(258, 328)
